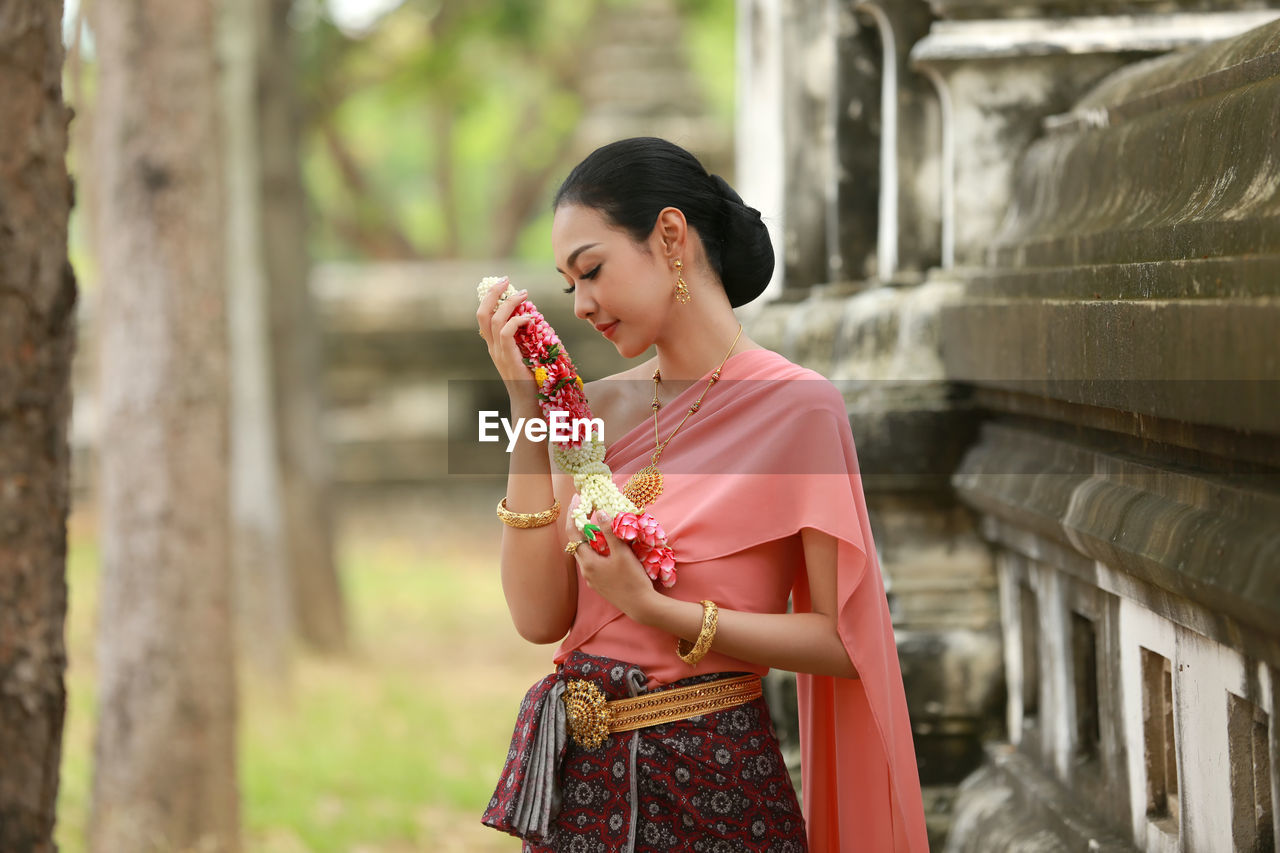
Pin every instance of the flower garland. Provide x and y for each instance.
(560, 389)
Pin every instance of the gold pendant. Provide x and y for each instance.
(644, 486)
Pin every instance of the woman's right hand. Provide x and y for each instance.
(498, 328)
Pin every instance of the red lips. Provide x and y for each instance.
(607, 328)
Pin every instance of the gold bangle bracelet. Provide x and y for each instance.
(710, 619)
(525, 520)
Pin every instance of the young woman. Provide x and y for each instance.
(761, 498)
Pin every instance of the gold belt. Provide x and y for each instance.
(591, 717)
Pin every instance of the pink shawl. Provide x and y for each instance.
(770, 452)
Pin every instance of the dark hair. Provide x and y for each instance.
(630, 181)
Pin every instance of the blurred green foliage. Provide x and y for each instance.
(443, 130)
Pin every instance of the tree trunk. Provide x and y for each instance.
(319, 610)
(264, 606)
(37, 339)
(165, 771)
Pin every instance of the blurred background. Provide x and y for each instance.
(401, 150)
(1036, 244)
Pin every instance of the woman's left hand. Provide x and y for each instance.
(619, 578)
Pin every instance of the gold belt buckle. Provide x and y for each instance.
(591, 718)
(587, 713)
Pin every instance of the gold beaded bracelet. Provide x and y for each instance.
(710, 618)
(525, 520)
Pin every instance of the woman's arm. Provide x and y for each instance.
(537, 576)
(799, 642)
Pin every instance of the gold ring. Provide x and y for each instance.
(573, 546)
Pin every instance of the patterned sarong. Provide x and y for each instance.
(710, 783)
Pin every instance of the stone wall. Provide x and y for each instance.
(1128, 480)
(1062, 373)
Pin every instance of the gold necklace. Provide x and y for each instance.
(645, 485)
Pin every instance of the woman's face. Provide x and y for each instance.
(621, 287)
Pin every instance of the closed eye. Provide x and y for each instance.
(586, 276)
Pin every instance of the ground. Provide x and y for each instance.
(395, 747)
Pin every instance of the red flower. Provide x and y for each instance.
(626, 526)
(537, 338)
(660, 564)
(651, 532)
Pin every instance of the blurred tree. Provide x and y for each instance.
(493, 91)
(264, 605)
(437, 131)
(310, 598)
(317, 601)
(165, 763)
(37, 338)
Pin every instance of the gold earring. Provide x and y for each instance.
(682, 289)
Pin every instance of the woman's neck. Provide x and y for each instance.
(700, 346)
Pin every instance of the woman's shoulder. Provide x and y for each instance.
(781, 364)
(802, 387)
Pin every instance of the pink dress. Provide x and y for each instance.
(768, 453)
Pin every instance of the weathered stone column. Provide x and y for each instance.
(808, 90)
(760, 149)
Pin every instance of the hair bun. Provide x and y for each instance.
(746, 259)
(726, 191)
